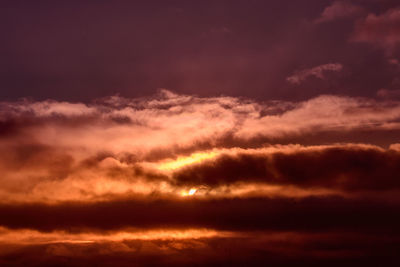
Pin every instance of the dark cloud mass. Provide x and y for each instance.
(200, 133)
(349, 167)
(312, 214)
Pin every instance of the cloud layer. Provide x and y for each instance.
(184, 174)
(62, 151)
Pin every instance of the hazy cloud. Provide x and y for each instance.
(382, 30)
(338, 10)
(319, 72)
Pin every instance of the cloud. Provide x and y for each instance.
(382, 30)
(115, 147)
(388, 94)
(394, 61)
(172, 122)
(339, 10)
(229, 214)
(321, 114)
(346, 167)
(257, 249)
(115, 171)
(300, 76)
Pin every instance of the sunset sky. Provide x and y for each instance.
(200, 133)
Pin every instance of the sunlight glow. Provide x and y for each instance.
(183, 161)
(191, 192)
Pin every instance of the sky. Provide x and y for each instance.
(202, 133)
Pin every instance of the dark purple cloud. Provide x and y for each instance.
(382, 30)
(83, 50)
(339, 10)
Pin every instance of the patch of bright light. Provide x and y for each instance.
(183, 161)
(191, 192)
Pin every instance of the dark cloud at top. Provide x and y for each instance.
(84, 50)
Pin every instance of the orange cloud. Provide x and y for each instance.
(167, 144)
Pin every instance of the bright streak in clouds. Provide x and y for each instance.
(184, 161)
(35, 237)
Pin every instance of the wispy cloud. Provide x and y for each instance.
(319, 72)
